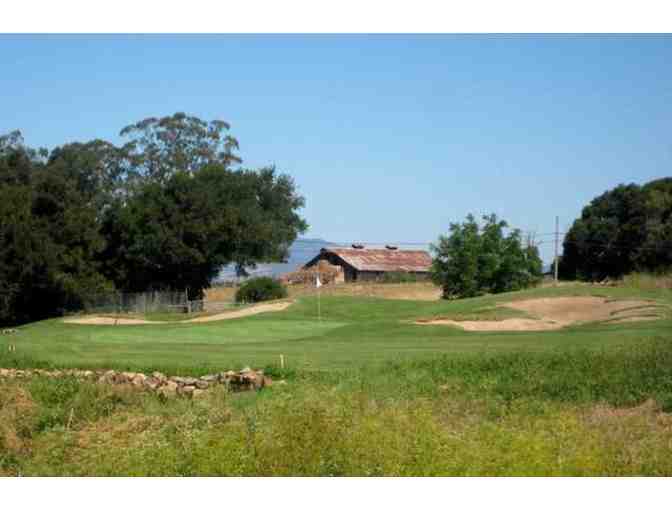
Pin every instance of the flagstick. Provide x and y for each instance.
(318, 284)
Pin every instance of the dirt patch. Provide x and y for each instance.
(503, 325)
(252, 310)
(649, 410)
(108, 321)
(559, 312)
(572, 310)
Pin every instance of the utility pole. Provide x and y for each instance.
(557, 238)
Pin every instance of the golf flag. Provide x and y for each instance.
(318, 283)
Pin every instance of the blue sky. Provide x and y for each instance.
(390, 138)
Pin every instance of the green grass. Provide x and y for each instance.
(353, 332)
(516, 414)
(368, 393)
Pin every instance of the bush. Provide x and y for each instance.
(258, 289)
(476, 259)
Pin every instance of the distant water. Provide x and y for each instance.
(299, 253)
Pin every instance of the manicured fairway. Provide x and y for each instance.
(353, 332)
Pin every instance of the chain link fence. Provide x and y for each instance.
(137, 302)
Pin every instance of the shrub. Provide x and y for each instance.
(648, 281)
(476, 259)
(258, 289)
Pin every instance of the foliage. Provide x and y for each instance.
(626, 229)
(164, 211)
(161, 147)
(262, 288)
(179, 234)
(476, 259)
(49, 240)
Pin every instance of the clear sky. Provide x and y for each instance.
(389, 138)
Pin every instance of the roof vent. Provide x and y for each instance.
(358, 246)
(390, 247)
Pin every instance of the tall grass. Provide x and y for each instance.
(648, 281)
(565, 413)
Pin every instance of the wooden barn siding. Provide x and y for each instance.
(372, 276)
(351, 274)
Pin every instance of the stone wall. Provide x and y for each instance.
(243, 380)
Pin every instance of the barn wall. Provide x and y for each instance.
(372, 276)
(369, 276)
(350, 274)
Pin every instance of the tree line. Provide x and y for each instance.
(625, 229)
(163, 211)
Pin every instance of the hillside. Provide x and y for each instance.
(301, 251)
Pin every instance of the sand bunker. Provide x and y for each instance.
(108, 321)
(112, 321)
(253, 310)
(556, 313)
(504, 325)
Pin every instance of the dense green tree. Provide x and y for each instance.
(49, 239)
(161, 147)
(165, 211)
(655, 254)
(476, 259)
(179, 233)
(625, 229)
(100, 170)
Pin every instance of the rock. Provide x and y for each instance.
(187, 381)
(227, 376)
(168, 390)
(244, 380)
(151, 383)
(187, 391)
(139, 380)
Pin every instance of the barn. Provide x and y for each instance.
(367, 264)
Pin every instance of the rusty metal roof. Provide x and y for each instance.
(374, 259)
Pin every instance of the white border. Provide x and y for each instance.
(335, 493)
(315, 16)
